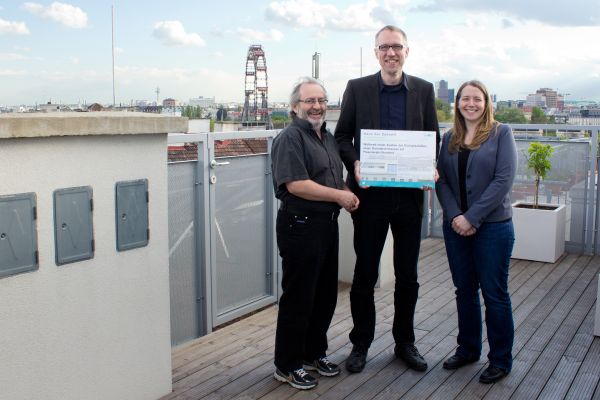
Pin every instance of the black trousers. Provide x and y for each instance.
(308, 246)
(381, 208)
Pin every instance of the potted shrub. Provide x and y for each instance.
(539, 228)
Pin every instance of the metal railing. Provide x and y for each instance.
(571, 181)
(222, 247)
(223, 254)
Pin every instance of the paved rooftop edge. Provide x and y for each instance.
(88, 124)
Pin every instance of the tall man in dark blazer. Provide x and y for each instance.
(389, 99)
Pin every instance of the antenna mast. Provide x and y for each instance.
(113, 53)
(361, 61)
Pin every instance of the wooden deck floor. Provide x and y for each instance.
(555, 353)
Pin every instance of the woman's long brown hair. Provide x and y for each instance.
(484, 126)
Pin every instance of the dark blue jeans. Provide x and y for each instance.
(482, 261)
(309, 254)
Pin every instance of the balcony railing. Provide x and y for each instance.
(223, 252)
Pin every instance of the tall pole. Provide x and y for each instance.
(113, 53)
(361, 61)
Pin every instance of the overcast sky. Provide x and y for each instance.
(61, 52)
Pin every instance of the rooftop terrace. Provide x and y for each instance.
(555, 353)
(122, 304)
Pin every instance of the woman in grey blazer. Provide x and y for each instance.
(477, 165)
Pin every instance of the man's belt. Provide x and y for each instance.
(303, 212)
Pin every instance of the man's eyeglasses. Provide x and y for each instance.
(312, 101)
(385, 47)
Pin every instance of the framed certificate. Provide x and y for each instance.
(391, 158)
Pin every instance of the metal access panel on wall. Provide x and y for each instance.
(73, 227)
(18, 234)
(132, 214)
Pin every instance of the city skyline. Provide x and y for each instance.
(61, 51)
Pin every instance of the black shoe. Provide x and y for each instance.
(299, 378)
(492, 374)
(357, 359)
(456, 361)
(410, 355)
(323, 366)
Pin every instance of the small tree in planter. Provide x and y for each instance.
(539, 229)
(538, 160)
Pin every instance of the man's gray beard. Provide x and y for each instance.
(316, 126)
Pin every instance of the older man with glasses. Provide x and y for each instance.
(307, 177)
(388, 99)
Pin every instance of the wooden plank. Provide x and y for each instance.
(553, 349)
(524, 330)
(556, 355)
(570, 362)
(545, 320)
(585, 385)
(419, 385)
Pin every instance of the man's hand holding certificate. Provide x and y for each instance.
(397, 158)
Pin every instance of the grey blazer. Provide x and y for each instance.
(490, 174)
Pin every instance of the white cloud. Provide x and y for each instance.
(11, 72)
(13, 27)
(216, 31)
(74, 60)
(300, 13)
(559, 13)
(172, 33)
(252, 35)
(11, 57)
(521, 57)
(366, 16)
(65, 14)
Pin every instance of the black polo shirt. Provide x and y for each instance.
(392, 105)
(298, 154)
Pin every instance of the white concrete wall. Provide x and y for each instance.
(348, 258)
(199, 125)
(99, 328)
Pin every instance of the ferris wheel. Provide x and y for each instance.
(256, 89)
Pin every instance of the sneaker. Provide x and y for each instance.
(299, 378)
(323, 366)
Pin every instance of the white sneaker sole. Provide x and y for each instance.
(308, 367)
(293, 384)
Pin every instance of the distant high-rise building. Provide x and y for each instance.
(535, 100)
(560, 102)
(441, 89)
(493, 96)
(550, 95)
(316, 65)
(450, 96)
(169, 102)
(203, 102)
